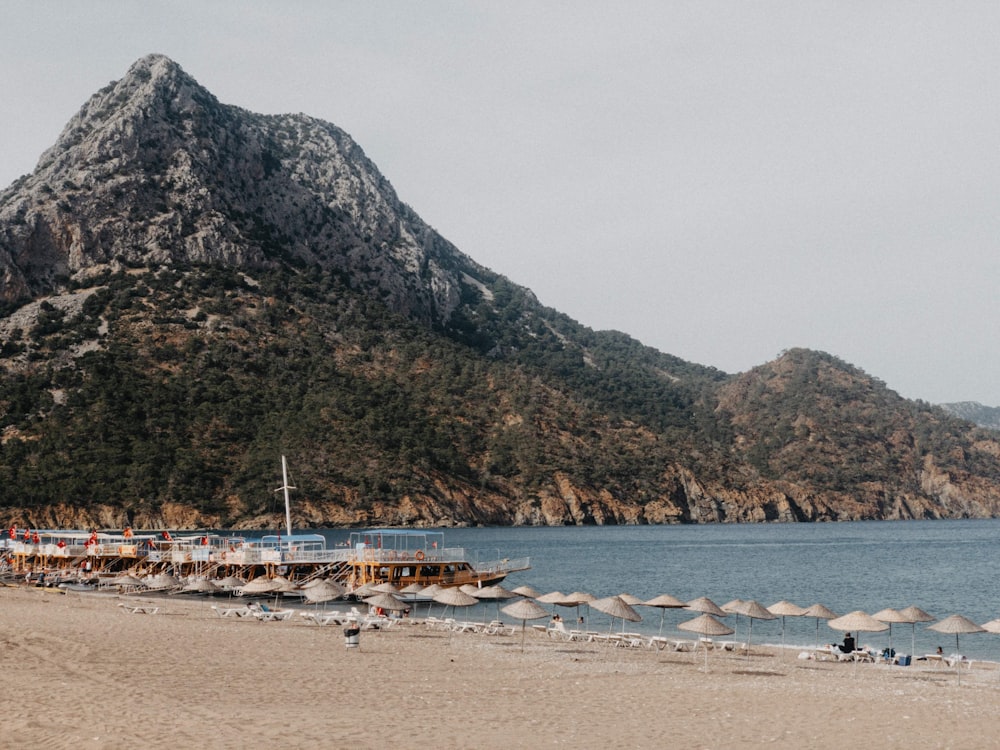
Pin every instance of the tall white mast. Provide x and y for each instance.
(285, 486)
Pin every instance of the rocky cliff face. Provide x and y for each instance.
(154, 170)
(145, 386)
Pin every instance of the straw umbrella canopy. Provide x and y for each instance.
(230, 583)
(785, 609)
(524, 610)
(454, 598)
(127, 579)
(913, 615)
(496, 594)
(412, 590)
(387, 588)
(858, 621)
(469, 588)
(259, 585)
(385, 600)
(706, 606)
(323, 591)
(956, 624)
(365, 589)
(754, 610)
(527, 591)
(706, 625)
(889, 616)
(200, 585)
(551, 598)
(575, 600)
(993, 626)
(819, 612)
(615, 606)
(630, 599)
(664, 602)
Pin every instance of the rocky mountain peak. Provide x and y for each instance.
(154, 170)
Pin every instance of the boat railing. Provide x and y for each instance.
(506, 565)
(376, 555)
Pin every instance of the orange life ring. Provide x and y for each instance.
(419, 554)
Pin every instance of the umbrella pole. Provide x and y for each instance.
(662, 612)
(782, 638)
(750, 638)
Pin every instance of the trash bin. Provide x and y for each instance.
(903, 660)
(352, 636)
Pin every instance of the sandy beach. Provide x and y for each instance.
(83, 673)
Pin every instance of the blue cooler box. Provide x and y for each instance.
(903, 660)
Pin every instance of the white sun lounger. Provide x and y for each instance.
(139, 609)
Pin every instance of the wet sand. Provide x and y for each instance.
(83, 673)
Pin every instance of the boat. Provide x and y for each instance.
(406, 557)
(401, 557)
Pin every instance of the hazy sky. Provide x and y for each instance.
(722, 180)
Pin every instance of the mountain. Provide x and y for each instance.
(190, 290)
(973, 411)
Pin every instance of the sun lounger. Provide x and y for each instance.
(953, 660)
(323, 618)
(628, 640)
(139, 609)
(231, 611)
(263, 613)
(498, 628)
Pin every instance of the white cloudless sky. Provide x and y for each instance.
(721, 180)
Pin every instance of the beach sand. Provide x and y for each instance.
(83, 673)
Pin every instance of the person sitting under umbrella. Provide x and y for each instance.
(848, 645)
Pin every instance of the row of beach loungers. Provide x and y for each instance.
(556, 631)
(559, 632)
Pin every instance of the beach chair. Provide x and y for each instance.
(557, 630)
(266, 614)
(657, 643)
(230, 611)
(953, 660)
(498, 628)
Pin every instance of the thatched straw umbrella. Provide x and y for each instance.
(957, 624)
(496, 594)
(664, 602)
(820, 612)
(785, 609)
(527, 592)
(524, 610)
(913, 615)
(754, 610)
(889, 616)
(707, 626)
(706, 606)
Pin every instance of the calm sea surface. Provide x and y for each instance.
(943, 567)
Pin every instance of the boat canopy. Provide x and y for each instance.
(400, 540)
(301, 541)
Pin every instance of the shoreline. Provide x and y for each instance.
(84, 673)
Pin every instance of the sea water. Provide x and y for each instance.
(943, 567)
